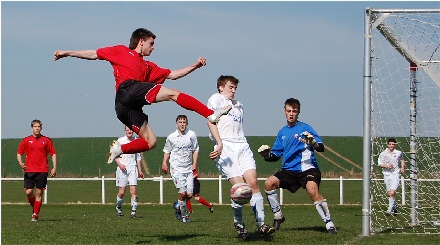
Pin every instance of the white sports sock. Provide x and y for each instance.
(257, 203)
(119, 201)
(134, 203)
(183, 208)
(238, 212)
(391, 201)
(323, 211)
(272, 198)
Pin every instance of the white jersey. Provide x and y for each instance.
(129, 159)
(395, 158)
(230, 126)
(181, 149)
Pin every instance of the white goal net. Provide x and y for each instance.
(404, 102)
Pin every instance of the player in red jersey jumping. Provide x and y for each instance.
(138, 83)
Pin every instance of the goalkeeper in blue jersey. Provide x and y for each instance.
(296, 143)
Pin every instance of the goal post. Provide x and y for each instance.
(402, 100)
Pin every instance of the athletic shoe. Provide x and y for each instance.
(436, 223)
(186, 219)
(211, 209)
(115, 151)
(34, 217)
(133, 214)
(265, 230)
(218, 113)
(387, 214)
(331, 228)
(241, 230)
(277, 222)
(119, 212)
(178, 213)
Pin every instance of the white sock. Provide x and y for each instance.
(183, 208)
(119, 201)
(323, 211)
(272, 198)
(391, 201)
(257, 203)
(238, 212)
(134, 203)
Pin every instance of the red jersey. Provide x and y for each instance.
(130, 65)
(36, 150)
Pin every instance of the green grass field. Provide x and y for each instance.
(74, 215)
(156, 224)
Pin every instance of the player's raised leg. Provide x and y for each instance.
(190, 103)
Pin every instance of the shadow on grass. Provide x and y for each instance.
(172, 238)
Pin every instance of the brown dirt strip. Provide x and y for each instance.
(344, 158)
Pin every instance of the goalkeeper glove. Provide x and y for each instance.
(264, 151)
(308, 139)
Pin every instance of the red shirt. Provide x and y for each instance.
(129, 65)
(36, 150)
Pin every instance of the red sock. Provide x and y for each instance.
(136, 146)
(31, 200)
(189, 205)
(204, 202)
(37, 207)
(190, 103)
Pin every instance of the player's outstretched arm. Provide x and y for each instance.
(82, 54)
(176, 74)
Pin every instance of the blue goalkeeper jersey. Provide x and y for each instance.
(298, 156)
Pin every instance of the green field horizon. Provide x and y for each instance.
(86, 157)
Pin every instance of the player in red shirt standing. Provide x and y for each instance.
(36, 169)
(138, 83)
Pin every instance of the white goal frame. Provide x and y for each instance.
(373, 19)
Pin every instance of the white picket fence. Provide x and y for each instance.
(161, 179)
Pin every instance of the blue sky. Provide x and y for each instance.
(312, 51)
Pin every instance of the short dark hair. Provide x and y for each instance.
(222, 80)
(392, 140)
(292, 102)
(137, 35)
(36, 121)
(181, 117)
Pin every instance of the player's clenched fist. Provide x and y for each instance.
(264, 151)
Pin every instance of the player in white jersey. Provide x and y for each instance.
(233, 155)
(392, 164)
(127, 173)
(182, 151)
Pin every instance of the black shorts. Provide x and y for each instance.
(292, 181)
(129, 100)
(35, 180)
(196, 190)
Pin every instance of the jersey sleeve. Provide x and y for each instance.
(214, 102)
(157, 74)
(380, 159)
(51, 147)
(22, 147)
(108, 53)
(167, 147)
(195, 143)
(278, 148)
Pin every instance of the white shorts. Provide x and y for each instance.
(129, 177)
(184, 182)
(392, 181)
(235, 159)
